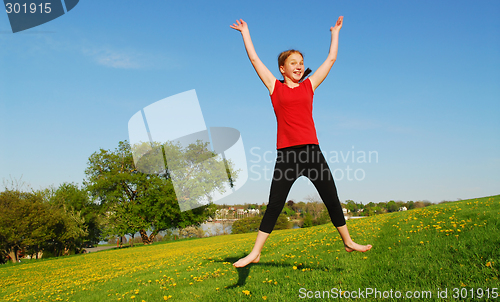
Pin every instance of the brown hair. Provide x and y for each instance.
(285, 54)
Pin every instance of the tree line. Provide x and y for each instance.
(115, 200)
(314, 212)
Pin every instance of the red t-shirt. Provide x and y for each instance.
(293, 109)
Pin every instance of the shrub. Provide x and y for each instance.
(251, 224)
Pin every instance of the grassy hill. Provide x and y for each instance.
(451, 246)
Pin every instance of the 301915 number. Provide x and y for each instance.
(17, 8)
(478, 293)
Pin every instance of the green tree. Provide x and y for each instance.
(246, 225)
(251, 224)
(323, 218)
(392, 206)
(351, 206)
(308, 220)
(77, 201)
(66, 230)
(29, 223)
(24, 221)
(300, 206)
(288, 212)
(133, 201)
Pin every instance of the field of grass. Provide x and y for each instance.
(452, 247)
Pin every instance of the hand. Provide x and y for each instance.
(240, 25)
(338, 25)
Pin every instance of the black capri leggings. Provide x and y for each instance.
(292, 163)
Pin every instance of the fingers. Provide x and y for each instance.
(238, 24)
(235, 25)
(338, 24)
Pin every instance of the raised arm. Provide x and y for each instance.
(321, 73)
(264, 74)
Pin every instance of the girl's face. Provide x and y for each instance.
(293, 68)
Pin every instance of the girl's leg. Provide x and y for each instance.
(348, 243)
(283, 178)
(320, 175)
(254, 255)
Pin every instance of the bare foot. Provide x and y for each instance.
(357, 247)
(247, 260)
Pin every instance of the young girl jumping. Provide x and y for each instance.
(297, 144)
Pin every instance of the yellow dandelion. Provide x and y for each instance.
(246, 292)
(294, 267)
(264, 297)
(488, 264)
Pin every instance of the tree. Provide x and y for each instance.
(133, 201)
(29, 223)
(308, 220)
(246, 225)
(23, 222)
(288, 211)
(77, 201)
(300, 206)
(351, 206)
(251, 224)
(392, 206)
(323, 218)
(66, 231)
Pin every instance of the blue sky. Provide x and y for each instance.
(415, 82)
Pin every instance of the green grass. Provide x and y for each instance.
(445, 246)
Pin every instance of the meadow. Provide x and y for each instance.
(451, 248)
